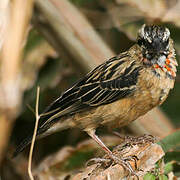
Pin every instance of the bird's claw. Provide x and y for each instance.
(97, 160)
(125, 163)
(114, 159)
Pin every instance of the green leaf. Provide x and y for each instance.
(149, 176)
(170, 142)
(163, 177)
(168, 168)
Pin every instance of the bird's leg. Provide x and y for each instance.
(92, 134)
(98, 141)
(117, 160)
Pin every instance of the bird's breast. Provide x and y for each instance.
(154, 86)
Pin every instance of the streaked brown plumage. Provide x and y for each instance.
(117, 91)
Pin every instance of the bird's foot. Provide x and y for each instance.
(111, 159)
(97, 161)
(125, 163)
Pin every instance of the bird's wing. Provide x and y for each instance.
(110, 81)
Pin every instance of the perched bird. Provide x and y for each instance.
(116, 92)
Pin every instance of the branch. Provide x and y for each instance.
(147, 153)
(69, 162)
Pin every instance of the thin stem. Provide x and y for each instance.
(34, 136)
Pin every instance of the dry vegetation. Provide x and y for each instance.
(51, 43)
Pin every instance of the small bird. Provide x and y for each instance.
(116, 92)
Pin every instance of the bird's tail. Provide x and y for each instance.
(22, 146)
(51, 120)
(43, 131)
(27, 141)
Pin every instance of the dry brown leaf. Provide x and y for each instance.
(150, 8)
(173, 15)
(33, 62)
(129, 15)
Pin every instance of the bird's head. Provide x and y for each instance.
(155, 43)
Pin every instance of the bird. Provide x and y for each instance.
(117, 91)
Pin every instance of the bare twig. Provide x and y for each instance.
(34, 136)
(31, 109)
(108, 176)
